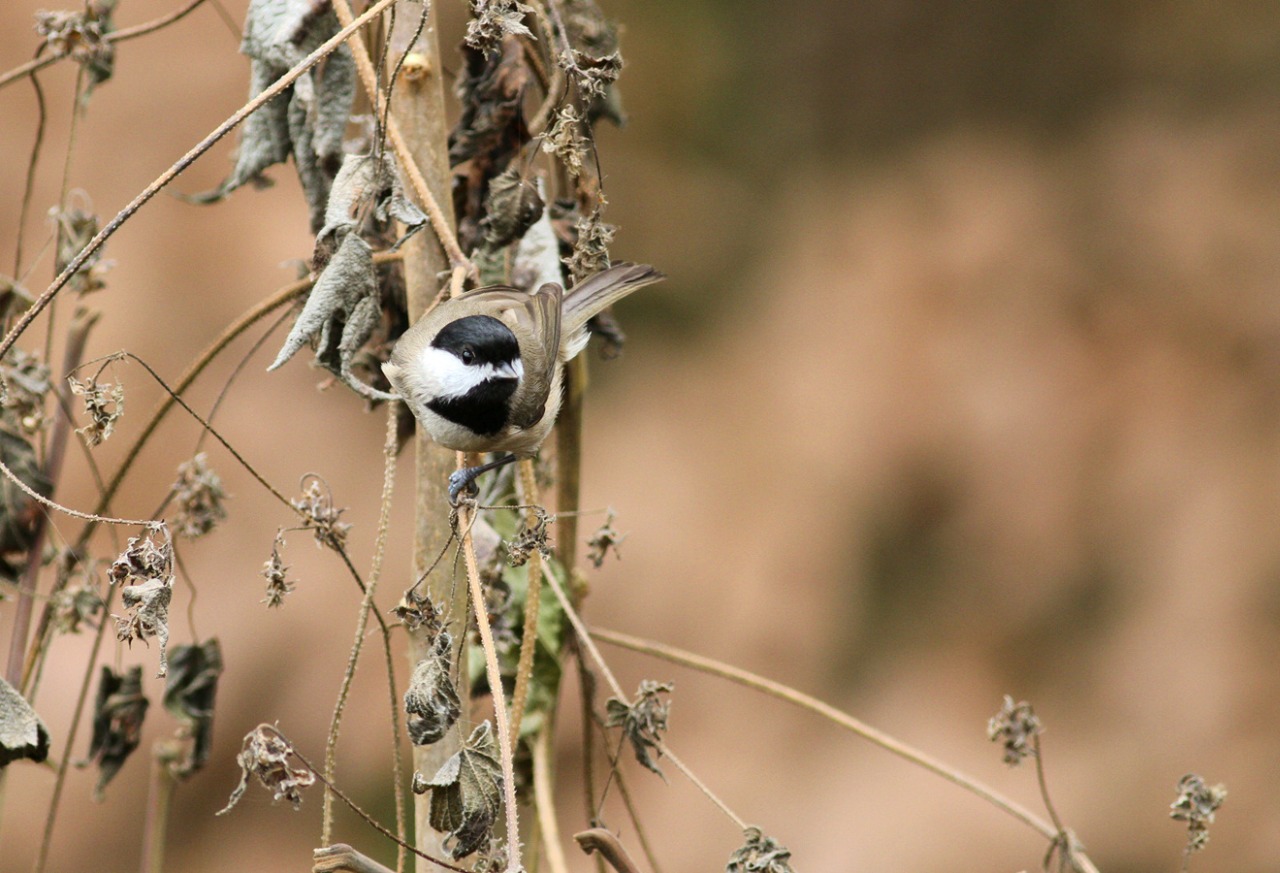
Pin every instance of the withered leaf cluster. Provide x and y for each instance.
(103, 403)
(118, 711)
(189, 695)
(466, 793)
(644, 721)
(19, 511)
(530, 537)
(759, 854)
(199, 494)
(494, 19)
(22, 733)
(76, 600)
(606, 539)
(344, 308)
(1196, 804)
(597, 59)
(432, 701)
(265, 754)
(308, 119)
(78, 226)
(1015, 727)
(147, 568)
(24, 384)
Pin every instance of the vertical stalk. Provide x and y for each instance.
(418, 106)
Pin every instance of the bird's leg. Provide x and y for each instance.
(465, 479)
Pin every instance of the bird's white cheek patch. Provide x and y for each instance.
(447, 376)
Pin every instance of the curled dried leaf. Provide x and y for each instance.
(513, 206)
(76, 602)
(22, 733)
(466, 794)
(265, 754)
(24, 384)
(494, 19)
(1196, 804)
(591, 250)
(432, 701)
(189, 696)
(149, 566)
(118, 712)
(644, 721)
(77, 227)
(19, 511)
(606, 539)
(593, 75)
(759, 854)
(530, 537)
(103, 403)
(416, 611)
(82, 37)
(200, 498)
(1016, 727)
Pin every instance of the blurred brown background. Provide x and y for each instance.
(966, 382)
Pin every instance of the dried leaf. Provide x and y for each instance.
(22, 733)
(644, 721)
(1196, 804)
(528, 538)
(265, 754)
(606, 539)
(432, 701)
(513, 206)
(276, 573)
(1015, 726)
(759, 854)
(593, 75)
(151, 564)
(77, 228)
(199, 494)
(466, 793)
(189, 696)
(594, 36)
(24, 384)
(118, 712)
(494, 19)
(417, 612)
(364, 188)
(18, 510)
(307, 121)
(342, 310)
(78, 603)
(103, 403)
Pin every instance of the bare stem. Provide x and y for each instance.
(533, 593)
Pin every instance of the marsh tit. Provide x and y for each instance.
(483, 372)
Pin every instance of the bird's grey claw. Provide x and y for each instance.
(462, 481)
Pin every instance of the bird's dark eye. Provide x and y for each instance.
(468, 354)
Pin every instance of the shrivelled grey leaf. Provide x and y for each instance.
(494, 19)
(432, 702)
(333, 315)
(365, 183)
(513, 206)
(150, 563)
(642, 722)
(759, 854)
(308, 119)
(22, 733)
(466, 794)
(117, 723)
(18, 510)
(266, 754)
(189, 696)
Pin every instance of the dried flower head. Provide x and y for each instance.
(759, 854)
(530, 537)
(1016, 726)
(199, 494)
(591, 251)
(276, 572)
(593, 75)
(603, 541)
(265, 754)
(565, 139)
(494, 19)
(644, 721)
(103, 403)
(82, 36)
(1196, 804)
(320, 516)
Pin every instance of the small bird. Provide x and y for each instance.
(483, 372)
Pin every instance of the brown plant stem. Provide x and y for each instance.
(533, 592)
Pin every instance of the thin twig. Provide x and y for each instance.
(39, 63)
(804, 701)
(272, 91)
(532, 594)
(494, 674)
(369, 79)
(362, 621)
